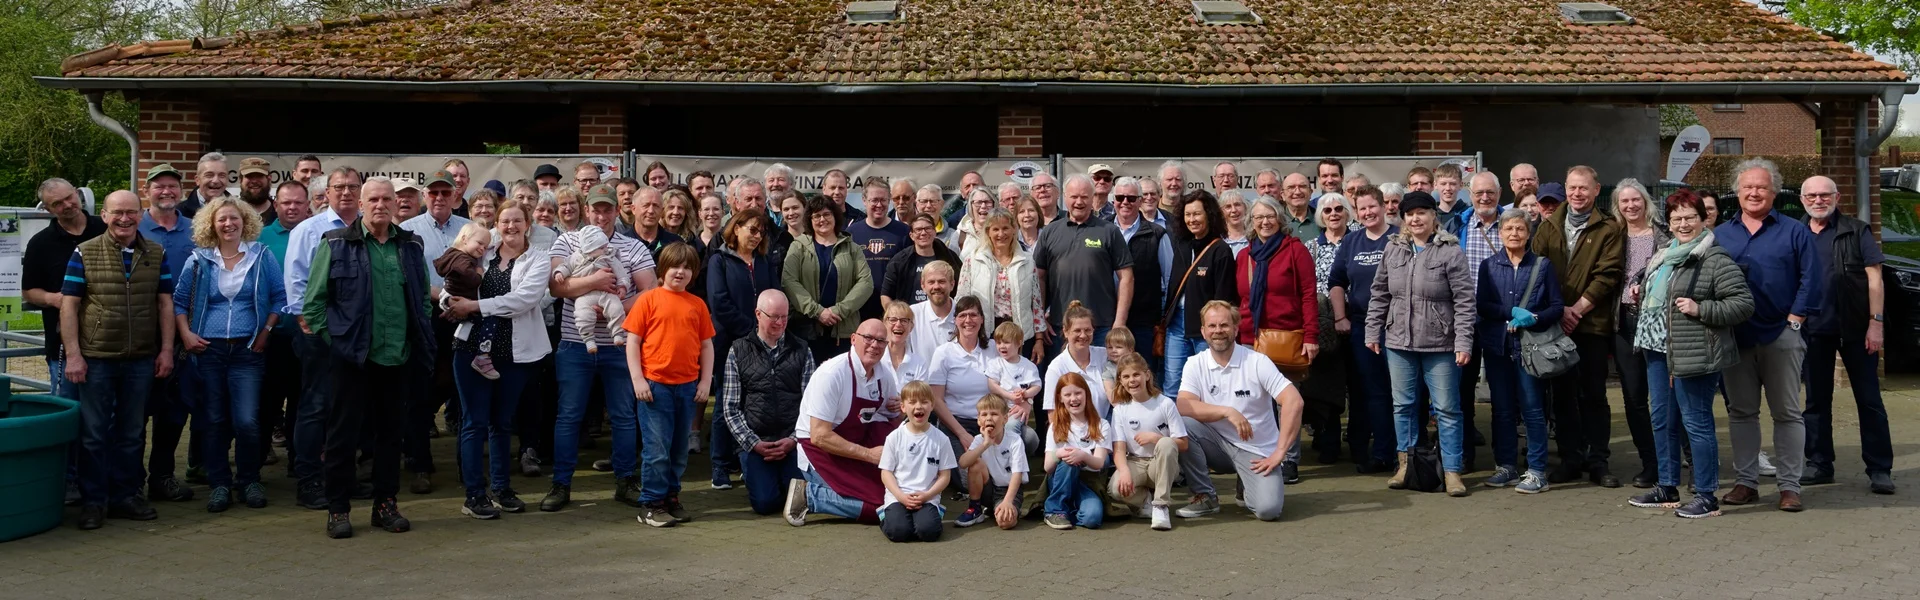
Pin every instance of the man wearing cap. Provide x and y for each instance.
(1551, 196)
(310, 416)
(547, 178)
(1102, 190)
(407, 198)
(435, 230)
(210, 182)
(1587, 249)
(256, 187)
(173, 398)
(576, 368)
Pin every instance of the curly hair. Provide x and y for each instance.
(204, 235)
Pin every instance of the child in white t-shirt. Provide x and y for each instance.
(998, 457)
(1017, 380)
(1078, 443)
(1150, 435)
(915, 464)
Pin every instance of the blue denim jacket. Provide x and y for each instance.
(198, 284)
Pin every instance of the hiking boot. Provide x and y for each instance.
(1399, 479)
(92, 517)
(1880, 483)
(679, 511)
(1503, 476)
(1455, 487)
(1740, 494)
(169, 489)
(507, 500)
(479, 506)
(1059, 521)
(656, 515)
(1647, 477)
(626, 490)
(1199, 506)
(311, 495)
(1161, 520)
(132, 509)
(1533, 482)
(973, 515)
(1658, 497)
(1700, 507)
(795, 509)
(220, 499)
(557, 498)
(338, 527)
(255, 495)
(386, 515)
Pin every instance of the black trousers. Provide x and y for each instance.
(902, 525)
(419, 424)
(365, 394)
(280, 394)
(1633, 387)
(1469, 390)
(1584, 422)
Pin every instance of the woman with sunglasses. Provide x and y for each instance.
(1325, 387)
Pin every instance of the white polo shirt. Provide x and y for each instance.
(829, 395)
(1003, 459)
(1156, 414)
(916, 460)
(1247, 383)
(965, 375)
(930, 331)
(913, 367)
(1094, 372)
(1080, 435)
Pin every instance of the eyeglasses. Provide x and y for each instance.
(899, 319)
(1128, 199)
(1103, 177)
(774, 318)
(870, 340)
(1333, 209)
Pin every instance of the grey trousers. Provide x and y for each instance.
(1265, 494)
(1775, 370)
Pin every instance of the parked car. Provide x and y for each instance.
(1902, 278)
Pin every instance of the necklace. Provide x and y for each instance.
(236, 254)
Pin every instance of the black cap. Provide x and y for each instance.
(545, 170)
(1416, 199)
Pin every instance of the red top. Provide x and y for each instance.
(1291, 300)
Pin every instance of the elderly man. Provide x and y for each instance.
(1102, 190)
(646, 221)
(375, 321)
(310, 416)
(256, 187)
(751, 193)
(1046, 192)
(1007, 195)
(1266, 182)
(760, 391)
(43, 268)
(927, 201)
(1225, 177)
(1587, 248)
(407, 204)
(850, 405)
(435, 231)
(1228, 397)
(437, 226)
(576, 367)
(210, 181)
(901, 191)
(1351, 188)
(1329, 174)
(1852, 323)
(1479, 234)
(1173, 184)
(779, 178)
(119, 286)
(174, 398)
(835, 186)
(1784, 272)
(1522, 177)
(1296, 197)
(1084, 258)
(1152, 252)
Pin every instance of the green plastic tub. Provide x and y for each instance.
(35, 431)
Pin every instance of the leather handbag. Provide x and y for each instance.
(1545, 354)
(1285, 347)
(1173, 303)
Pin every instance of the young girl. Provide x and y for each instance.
(1120, 344)
(460, 268)
(1080, 357)
(998, 456)
(1076, 450)
(915, 465)
(1150, 437)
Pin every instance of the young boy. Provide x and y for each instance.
(998, 456)
(671, 359)
(1120, 344)
(915, 465)
(1017, 380)
(461, 267)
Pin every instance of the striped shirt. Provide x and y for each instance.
(75, 283)
(632, 253)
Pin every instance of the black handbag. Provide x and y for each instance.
(1424, 473)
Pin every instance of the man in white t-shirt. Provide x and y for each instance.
(850, 406)
(933, 318)
(1227, 397)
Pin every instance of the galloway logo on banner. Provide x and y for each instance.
(1687, 148)
(810, 173)
(480, 167)
(1197, 173)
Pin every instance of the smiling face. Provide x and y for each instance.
(512, 223)
(917, 407)
(921, 232)
(938, 285)
(646, 208)
(1819, 195)
(824, 225)
(1295, 191)
(1632, 205)
(1225, 177)
(675, 214)
(1079, 200)
(163, 192)
(1046, 190)
(1685, 223)
(711, 212)
(1335, 214)
(658, 178)
(1080, 334)
(1000, 234)
(1194, 214)
(835, 187)
(1134, 381)
(748, 236)
(122, 216)
(1028, 217)
(1418, 222)
(228, 223)
(1266, 221)
(1514, 234)
(1581, 190)
(440, 200)
(1073, 398)
(1369, 211)
(967, 323)
(1446, 189)
(1756, 192)
(482, 210)
(1220, 328)
(793, 210)
(603, 215)
(1329, 178)
(927, 202)
(304, 171)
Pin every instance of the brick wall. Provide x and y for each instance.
(1769, 129)
(1436, 130)
(174, 131)
(1837, 128)
(1020, 132)
(603, 128)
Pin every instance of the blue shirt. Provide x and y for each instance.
(301, 242)
(435, 238)
(1354, 267)
(1783, 270)
(75, 282)
(829, 275)
(178, 241)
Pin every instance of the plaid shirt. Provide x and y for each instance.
(1479, 242)
(730, 396)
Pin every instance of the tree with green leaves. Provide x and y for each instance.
(1888, 27)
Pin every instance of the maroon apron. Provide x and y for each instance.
(864, 425)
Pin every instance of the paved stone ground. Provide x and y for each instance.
(1344, 536)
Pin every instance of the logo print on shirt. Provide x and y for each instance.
(1134, 423)
(1092, 243)
(871, 415)
(877, 246)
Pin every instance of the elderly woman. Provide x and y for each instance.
(826, 280)
(225, 305)
(1028, 218)
(1517, 290)
(1370, 436)
(1202, 271)
(1694, 294)
(482, 207)
(1001, 275)
(1632, 205)
(1233, 206)
(1422, 309)
(1325, 388)
(569, 214)
(1277, 291)
(512, 290)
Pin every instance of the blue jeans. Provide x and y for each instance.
(232, 373)
(721, 445)
(1179, 348)
(1068, 495)
(822, 499)
(1373, 405)
(766, 480)
(1688, 400)
(1516, 391)
(576, 370)
(486, 426)
(665, 421)
(113, 413)
(1436, 371)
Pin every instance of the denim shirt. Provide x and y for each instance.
(1783, 271)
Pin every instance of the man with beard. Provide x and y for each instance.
(1479, 233)
(933, 318)
(1173, 183)
(1228, 397)
(1851, 322)
(256, 187)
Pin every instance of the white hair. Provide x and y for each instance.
(1080, 178)
(380, 179)
(1773, 172)
(1269, 202)
(1320, 218)
(1171, 164)
(1246, 216)
(1002, 189)
(780, 168)
(1391, 189)
(1269, 171)
(1126, 182)
(212, 157)
(931, 187)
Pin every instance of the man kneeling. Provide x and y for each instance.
(1227, 398)
(850, 406)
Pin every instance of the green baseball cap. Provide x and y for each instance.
(601, 193)
(162, 169)
(441, 176)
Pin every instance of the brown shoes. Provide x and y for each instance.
(1790, 501)
(1740, 494)
(1399, 479)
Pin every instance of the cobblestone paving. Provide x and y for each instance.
(1344, 536)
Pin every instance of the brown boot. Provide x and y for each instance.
(1399, 479)
(1455, 487)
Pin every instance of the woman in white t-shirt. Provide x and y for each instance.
(958, 374)
(1149, 436)
(1077, 449)
(1080, 357)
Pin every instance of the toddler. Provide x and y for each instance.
(461, 266)
(590, 254)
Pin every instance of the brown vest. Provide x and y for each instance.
(119, 316)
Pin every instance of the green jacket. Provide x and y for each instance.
(800, 279)
(1594, 270)
(119, 317)
(1704, 345)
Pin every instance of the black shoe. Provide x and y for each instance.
(255, 495)
(627, 491)
(1369, 466)
(1880, 483)
(386, 515)
(196, 475)
(1476, 437)
(1328, 457)
(270, 459)
(1647, 477)
(557, 498)
(73, 494)
(1660, 497)
(1289, 473)
(220, 499)
(169, 489)
(1566, 472)
(678, 511)
(1603, 477)
(312, 495)
(133, 509)
(1817, 476)
(92, 517)
(363, 491)
(338, 527)
(508, 501)
(479, 506)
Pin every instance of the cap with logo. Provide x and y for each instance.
(441, 176)
(601, 193)
(162, 170)
(254, 166)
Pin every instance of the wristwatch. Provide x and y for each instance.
(1880, 317)
(1794, 325)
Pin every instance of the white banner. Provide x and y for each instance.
(1687, 148)
(1198, 172)
(480, 167)
(809, 173)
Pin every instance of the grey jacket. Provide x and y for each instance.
(1423, 302)
(1704, 345)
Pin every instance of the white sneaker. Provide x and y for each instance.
(1766, 466)
(693, 442)
(796, 509)
(1162, 521)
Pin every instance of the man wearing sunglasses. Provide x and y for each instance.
(1102, 190)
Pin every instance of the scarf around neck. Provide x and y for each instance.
(1651, 332)
(1261, 252)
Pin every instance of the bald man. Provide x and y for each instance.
(1851, 323)
(850, 405)
(760, 401)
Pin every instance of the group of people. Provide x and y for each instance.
(1125, 334)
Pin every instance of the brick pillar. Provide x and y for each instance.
(1020, 135)
(1436, 130)
(173, 130)
(603, 128)
(1837, 129)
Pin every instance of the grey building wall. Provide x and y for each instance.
(1616, 142)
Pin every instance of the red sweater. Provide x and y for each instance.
(1291, 298)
